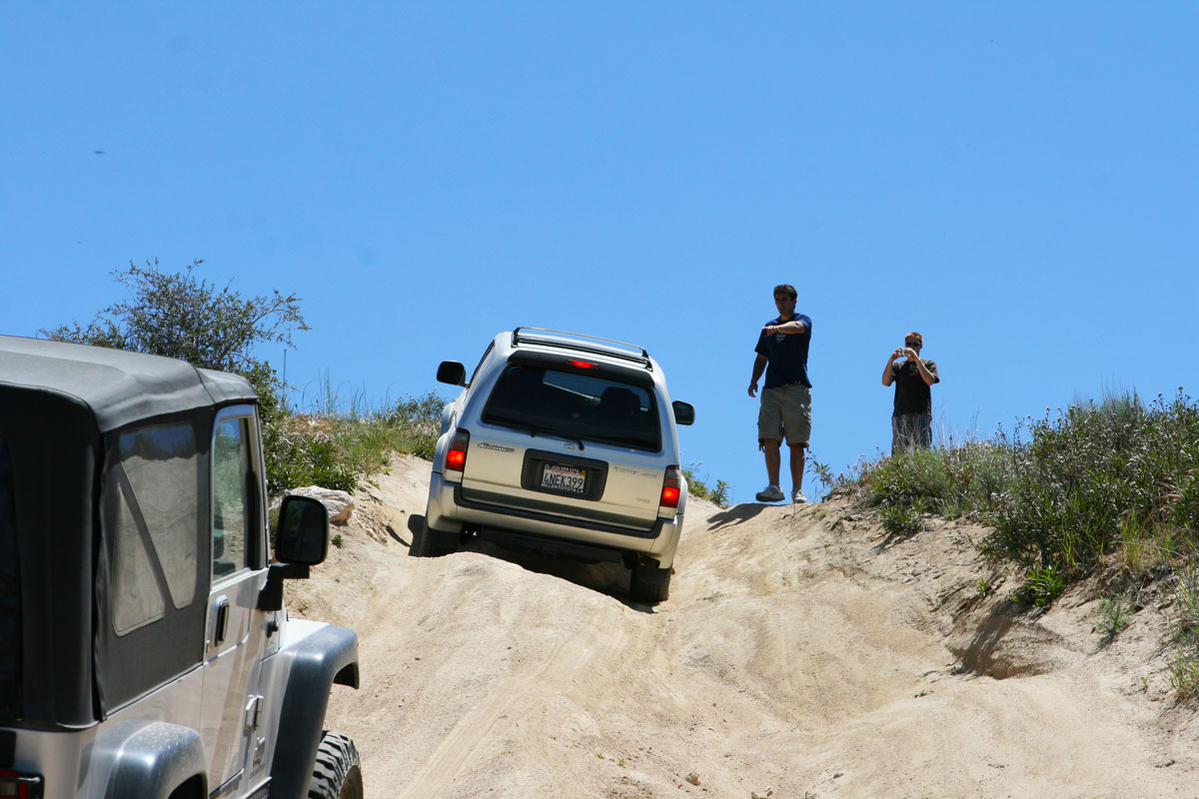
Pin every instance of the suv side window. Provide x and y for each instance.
(10, 590)
(154, 553)
(482, 361)
(232, 500)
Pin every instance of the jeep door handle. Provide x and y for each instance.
(220, 622)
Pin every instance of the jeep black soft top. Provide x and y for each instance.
(59, 403)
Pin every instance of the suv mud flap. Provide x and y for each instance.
(327, 656)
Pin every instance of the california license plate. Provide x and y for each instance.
(566, 479)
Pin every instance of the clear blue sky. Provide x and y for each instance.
(1019, 181)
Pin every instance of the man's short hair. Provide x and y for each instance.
(786, 288)
(914, 336)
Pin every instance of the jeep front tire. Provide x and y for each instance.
(337, 773)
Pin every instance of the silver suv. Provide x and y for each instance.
(145, 652)
(566, 444)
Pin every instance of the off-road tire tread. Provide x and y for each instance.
(430, 543)
(648, 591)
(337, 773)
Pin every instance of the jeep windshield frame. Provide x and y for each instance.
(549, 396)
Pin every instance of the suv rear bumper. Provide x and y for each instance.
(449, 511)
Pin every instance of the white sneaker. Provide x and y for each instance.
(771, 493)
(797, 496)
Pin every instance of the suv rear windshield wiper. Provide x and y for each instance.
(531, 427)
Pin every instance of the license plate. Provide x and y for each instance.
(566, 479)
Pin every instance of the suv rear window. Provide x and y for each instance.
(10, 591)
(573, 404)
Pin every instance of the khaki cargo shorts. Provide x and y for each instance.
(786, 412)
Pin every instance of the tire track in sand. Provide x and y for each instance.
(604, 639)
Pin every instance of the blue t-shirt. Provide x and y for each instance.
(786, 353)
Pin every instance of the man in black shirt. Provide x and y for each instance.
(912, 419)
(785, 410)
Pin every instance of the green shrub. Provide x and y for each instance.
(718, 495)
(1100, 474)
(1095, 479)
(337, 449)
(901, 520)
(1184, 676)
(1041, 587)
(1113, 616)
(945, 481)
(419, 419)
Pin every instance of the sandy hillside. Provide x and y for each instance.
(800, 655)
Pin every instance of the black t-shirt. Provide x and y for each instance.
(786, 353)
(912, 394)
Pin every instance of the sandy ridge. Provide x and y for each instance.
(803, 653)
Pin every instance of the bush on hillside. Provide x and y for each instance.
(718, 495)
(1091, 481)
(337, 449)
(1098, 476)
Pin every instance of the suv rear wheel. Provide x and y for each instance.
(429, 543)
(649, 584)
(337, 774)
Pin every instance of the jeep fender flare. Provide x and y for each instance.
(150, 759)
(326, 656)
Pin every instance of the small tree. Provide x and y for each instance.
(181, 316)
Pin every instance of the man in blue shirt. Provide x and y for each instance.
(786, 405)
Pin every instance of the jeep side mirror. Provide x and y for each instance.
(451, 372)
(684, 412)
(302, 535)
(301, 540)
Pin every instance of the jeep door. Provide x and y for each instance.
(237, 630)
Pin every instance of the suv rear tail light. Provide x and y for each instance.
(19, 786)
(455, 454)
(672, 488)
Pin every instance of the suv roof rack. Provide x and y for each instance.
(583, 342)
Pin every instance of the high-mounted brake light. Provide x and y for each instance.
(582, 364)
(455, 455)
(20, 786)
(672, 488)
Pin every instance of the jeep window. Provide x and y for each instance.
(154, 553)
(575, 405)
(231, 502)
(10, 591)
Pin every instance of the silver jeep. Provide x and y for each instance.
(145, 652)
(566, 444)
